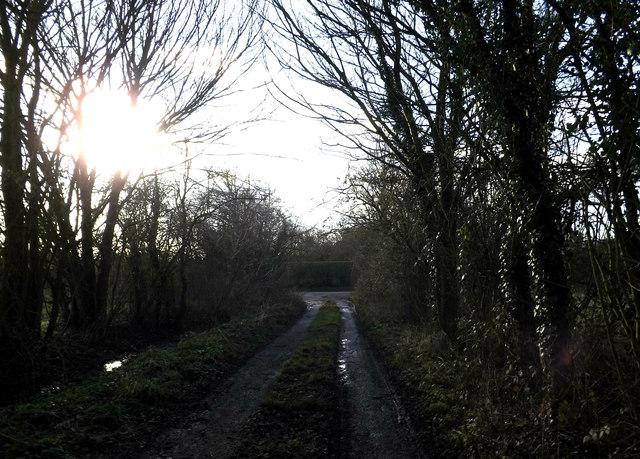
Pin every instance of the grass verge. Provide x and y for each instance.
(298, 416)
(465, 405)
(123, 407)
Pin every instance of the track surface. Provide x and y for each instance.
(215, 430)
(374, 421)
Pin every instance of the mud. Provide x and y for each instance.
(374, 424)
(214, 430)
(377, 423)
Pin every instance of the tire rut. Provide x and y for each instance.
(378, 426)
(215, 430)
(374, 423)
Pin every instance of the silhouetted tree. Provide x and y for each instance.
(402, 90)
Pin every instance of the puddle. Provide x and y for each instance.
(50, 390)
(377, 426)
(110, 366)
(343, 373)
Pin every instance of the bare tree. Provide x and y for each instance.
(182, 52)
(605, 113)
(185, 53)
(20, 23)
(403, 91)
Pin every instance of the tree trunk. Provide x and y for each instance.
(106, 252)
(516, 263)
(182, 303)
(527, 108)
(139, 300)
(157, 284)
(520, 82)
(448, 298)
(15, 269)
(84, 269)
(38, 243)
(623, 150)
(57, 299)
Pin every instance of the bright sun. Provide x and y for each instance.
(115, 135)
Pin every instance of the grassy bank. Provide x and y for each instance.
(464, 406)
(298, 416)
(126, 406)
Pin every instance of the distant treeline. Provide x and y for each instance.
(321, 275)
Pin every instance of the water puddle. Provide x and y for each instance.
(110, 366)
(343, 373)
(50, 390)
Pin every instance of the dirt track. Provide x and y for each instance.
(214, 430)
(375, 423)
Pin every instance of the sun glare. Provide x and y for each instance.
(114, 134)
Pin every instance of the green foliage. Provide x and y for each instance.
(142, 394)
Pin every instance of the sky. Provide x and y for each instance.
(284, 151)
(287, 155)
(288, 152)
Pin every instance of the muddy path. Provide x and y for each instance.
(378, 426)
(374, 423)
(214, 430)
